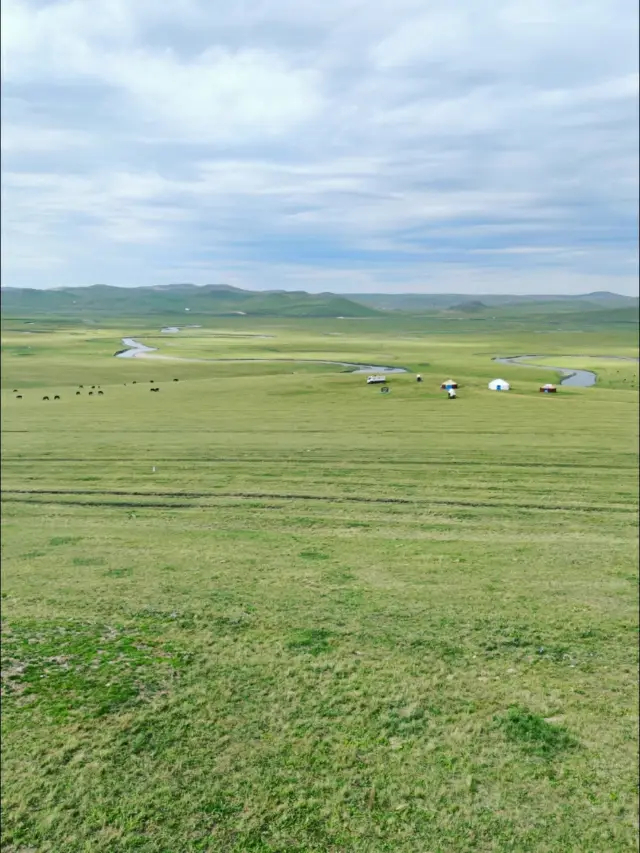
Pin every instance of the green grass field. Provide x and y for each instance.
(330, 619)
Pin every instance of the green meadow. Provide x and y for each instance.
(268, 609)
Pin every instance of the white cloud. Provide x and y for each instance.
(218, 97)
(354, 142)
(570, 40)
(18, 138)
(216, 94)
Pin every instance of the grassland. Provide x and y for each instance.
(330, 619)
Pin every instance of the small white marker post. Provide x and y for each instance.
(154, 469)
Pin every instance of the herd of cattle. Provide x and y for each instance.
(95, 389)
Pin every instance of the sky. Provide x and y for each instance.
(387, 146)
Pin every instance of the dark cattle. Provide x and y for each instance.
(80, 386)
(100, 393)
(93, 386)
(19, 397)
(175, 380)
(384, 390)
(15, 390)
(45, 398)
(154, 389)
(151, 381)
(134, 381)
(77, 393)
(57, 397)
(91, 393)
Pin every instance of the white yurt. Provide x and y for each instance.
(499, 385)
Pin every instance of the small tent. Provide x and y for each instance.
(548, 389)
(448, 384)
(499, 385)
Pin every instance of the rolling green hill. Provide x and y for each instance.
(168, 303)
(219, 300)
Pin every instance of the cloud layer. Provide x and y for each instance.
(393, 145)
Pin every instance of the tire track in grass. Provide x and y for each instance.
(319, 460)
(9, 494)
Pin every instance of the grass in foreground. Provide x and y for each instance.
(331, 620)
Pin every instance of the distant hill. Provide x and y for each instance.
(452, 301)
(176, 299)
(183, 299)
(471, 307)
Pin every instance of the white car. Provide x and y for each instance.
(376, 380)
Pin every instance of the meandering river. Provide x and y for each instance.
(138, 349)
(572, 376)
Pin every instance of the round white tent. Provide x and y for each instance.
(499, 385)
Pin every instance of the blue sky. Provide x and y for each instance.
(380, 146)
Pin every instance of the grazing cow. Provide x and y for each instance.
(15, 390)
(418, 378)
(93, 386)
(77, 393)
(80, 386)
(134, 381)
(175, 380)
(151, 381)
(100, 393)
(45, 398)
(91, 393)
(57, 397)
(19, 397)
